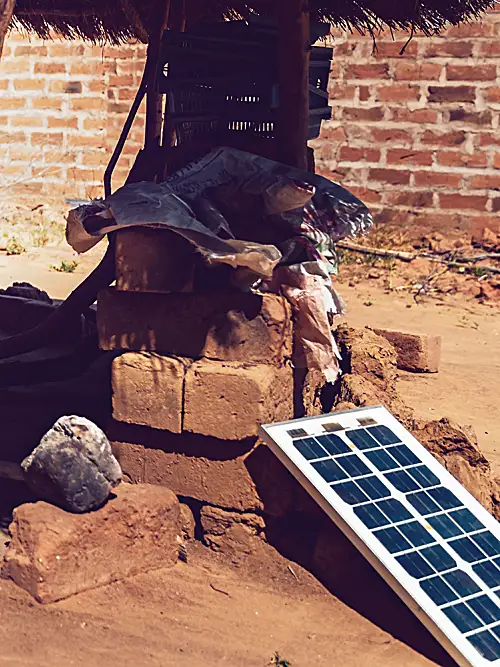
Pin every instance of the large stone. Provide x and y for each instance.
(231, 400)
(73, 466)
(229, 326)
(232, 533)
(148, 390)
(420, 353)
(54, 554)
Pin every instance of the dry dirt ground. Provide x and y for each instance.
(212, 612)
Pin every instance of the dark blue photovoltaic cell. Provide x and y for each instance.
(404, 455)
(487, 610)
(466, 549)
(488, 572)
(353, 465)
(309, 448)
(395, 510)
(392, 540)
(438, 558)
(333, 444)
(496, 631)
(362, 439)
(402, 481)
(423, 503)
(438, 590)
(384, 435)
(423, 476)
(415, 565)
(461, 583)
(466, 520)
(371, 516)
(329, 470)
(382, 460)
(461, 616)
(416, 533)
(487, 645)
(487, 542)
(444, 526)
(350, 493)
(445, 498)
(373, 487)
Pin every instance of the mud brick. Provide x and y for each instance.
(229, 326)
(231, 400)
(54, 554)
(420, 353)
(244, 476)
(148, 389)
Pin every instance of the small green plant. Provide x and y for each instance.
(40, 238)
(15, 247)
(280, 662)
(479, 271)
(65, 267)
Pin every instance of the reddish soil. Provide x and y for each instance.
(214, 612)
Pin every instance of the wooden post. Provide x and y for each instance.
(154, 109)
(6, 11)
(293, 63)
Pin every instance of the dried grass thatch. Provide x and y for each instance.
(117, 20)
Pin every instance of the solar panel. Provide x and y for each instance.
(415, 523)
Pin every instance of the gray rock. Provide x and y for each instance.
(26, 291)
(73, 466)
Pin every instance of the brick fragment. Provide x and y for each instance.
(420, 353)
(229, 326)
(54, 554)
(231, 400)
(148, 390)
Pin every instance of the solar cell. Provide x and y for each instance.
(417, 524)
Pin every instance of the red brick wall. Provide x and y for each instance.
(415, 136)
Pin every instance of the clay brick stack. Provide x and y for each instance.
(198, 374)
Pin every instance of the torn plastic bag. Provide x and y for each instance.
(307, 286)
(150, 205)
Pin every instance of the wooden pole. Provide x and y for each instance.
(293, 66)
(6, 11)
(153, 99)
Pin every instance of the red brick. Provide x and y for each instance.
(459, 159)
(391, 136)
(407, 156)
(443, 139)
(46, 103)
(496, 160)
(392, 49)
(11, 103)
(463, 202)
(29, 51)
(366, 195)
(47, 138)
(367, 72)
(440, 94)
(50, 68)
(364, 93)
(415, 71)
(226, 326)
(493, 95)
(29, 84)
(66, 122)
(474, 29)
(409, 199)
(486, 182)
(489, 139)
(390, 176)
(339, 91)
(489, 49)
(437, 179)
(471, 72)
(398, 93)
(12, 138)
(148, 390)
(363, 114)
(445, 48)
(471, 117)
(419, 353)
(416, 116)
(230, 400)
(87, 104)
(352, 154)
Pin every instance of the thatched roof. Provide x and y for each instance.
(117, 20)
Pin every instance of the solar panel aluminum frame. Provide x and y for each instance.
(280, 442)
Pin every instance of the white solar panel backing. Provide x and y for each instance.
(415, 523)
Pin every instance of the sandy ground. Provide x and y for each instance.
(180, 616)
